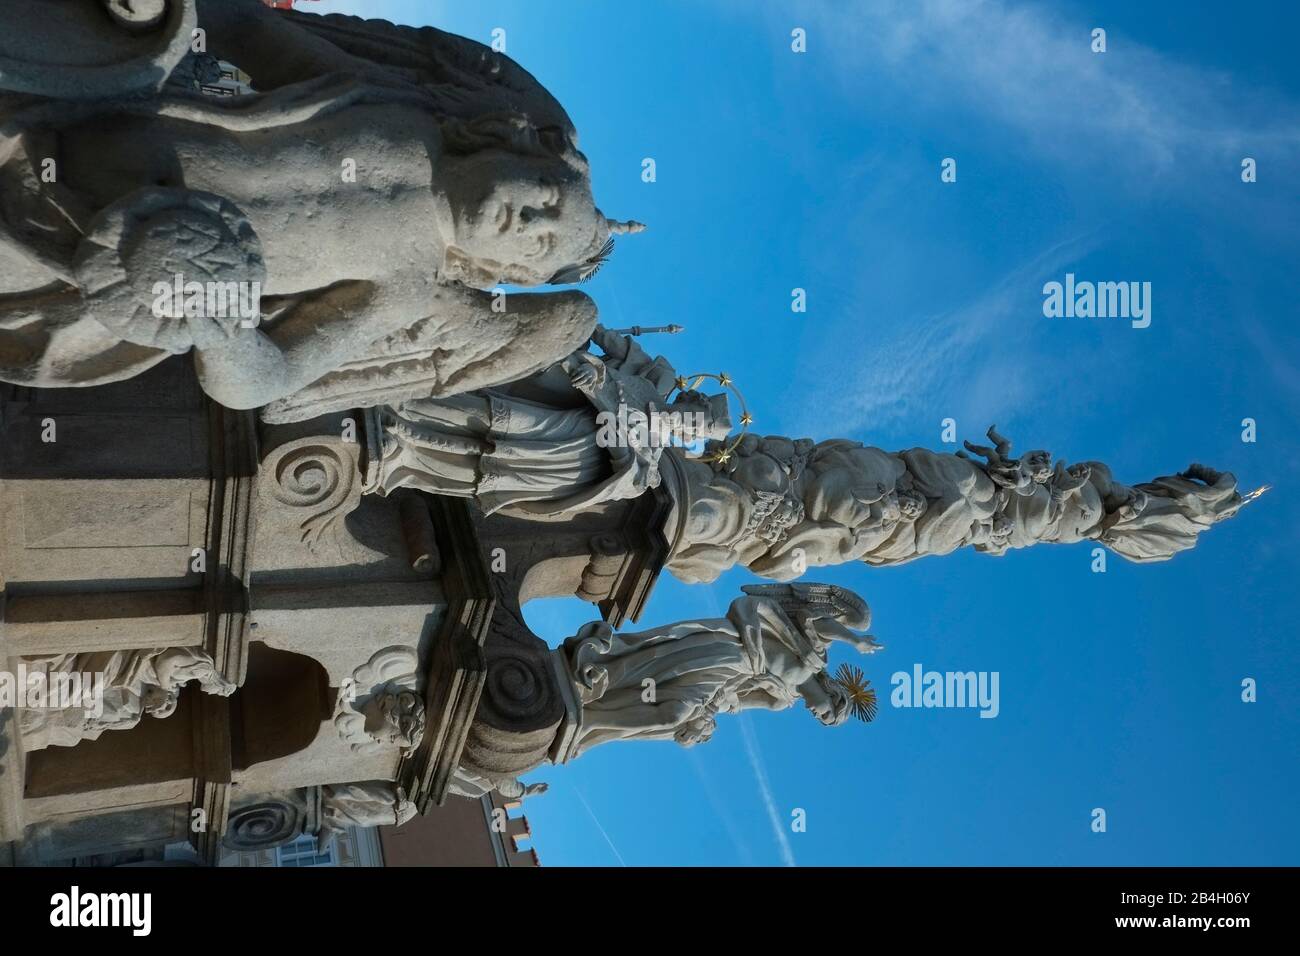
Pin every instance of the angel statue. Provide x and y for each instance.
(768, 652)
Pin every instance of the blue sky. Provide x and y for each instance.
(821, 170)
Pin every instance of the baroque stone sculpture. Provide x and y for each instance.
(379, 706)
(671, 683)
(399, 172)
(557, 442)
(133, 685)
(361, 417)
(371, 804)
(778, 506)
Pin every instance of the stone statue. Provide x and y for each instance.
(94, 48)
(133, 684)
(589, 429)
(376, 803)
(671, 683)
(778, 506)
(466, 783)
(380, 705)
(340, 221)
(389, 718)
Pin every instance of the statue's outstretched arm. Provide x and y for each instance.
(614, 345)
(248, 367)
(461, 345)
(1002, 443)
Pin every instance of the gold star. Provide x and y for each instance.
(724, 457)
(681, 382)
(724, 379)
(746, 419)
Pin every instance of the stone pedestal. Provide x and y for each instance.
(142, 516)
(125, 515)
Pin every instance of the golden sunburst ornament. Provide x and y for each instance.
(862, 696)
(689, 383)
(1257, 493)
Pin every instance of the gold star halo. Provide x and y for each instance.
(686, 383)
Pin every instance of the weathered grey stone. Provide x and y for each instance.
(88, 49)
(778, 506)
(355, 251)
(262, 821)
(671, 683)
(588, 430)
(116, 689)
(370, 804)
(379, 706)
(376, 659)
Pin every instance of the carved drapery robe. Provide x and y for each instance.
(133, 684)
(543, 446)
(755, 657)
(779, 507)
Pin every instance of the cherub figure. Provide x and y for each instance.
(356, 223)
(1067, 481)
(1019, 475)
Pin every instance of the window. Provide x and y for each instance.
(303, 852)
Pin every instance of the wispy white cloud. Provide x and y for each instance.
(1031, 67)
(599, 826)
(726, 816)
(765, 791)
(925, 363)
(1026, 69)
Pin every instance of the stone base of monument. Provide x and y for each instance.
(141, 523)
